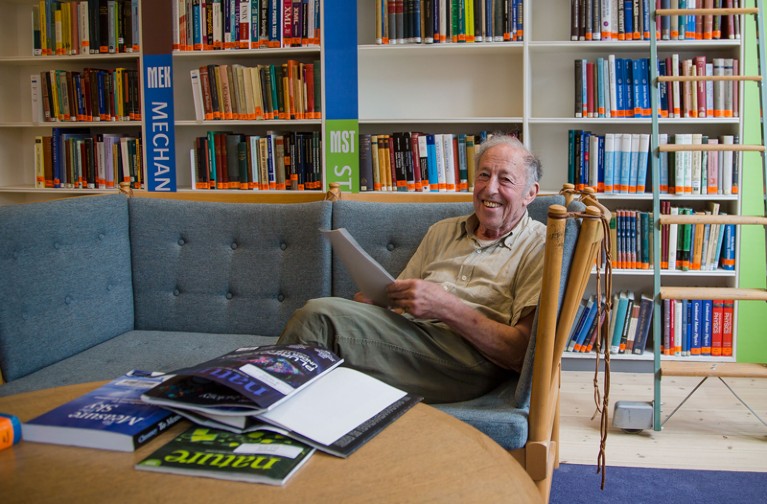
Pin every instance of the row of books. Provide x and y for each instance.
(274, 161)
(444, 21)
(72, 27)
(93, 94)
(703, 247)
(75, 158)
(630, 20)
(698, 327)
(632, 239)
(288, 91)
(699, 172)
(620, 87)
(618, 163)
(684, 247)
(418, 162)
(629, 328)
(610, 163)
(205, 25)
(701, 98)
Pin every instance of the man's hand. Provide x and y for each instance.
(502, 344)
(420, 298)
(362, 298)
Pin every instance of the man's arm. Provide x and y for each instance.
(500, 343)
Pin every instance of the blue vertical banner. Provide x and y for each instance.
(160, 140)
(157, 89)
(340, 140)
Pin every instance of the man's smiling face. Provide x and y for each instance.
(501, 190)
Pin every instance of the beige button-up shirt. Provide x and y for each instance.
(501, 279)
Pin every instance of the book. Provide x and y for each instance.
(371, 278)
(264, 456)
(727, 327)
(577, 323)
(626, 323)
(280, 385)
(596, 327)
(705, 328)
(717, 313)
(620, 320)
(112, 417)
(633, 324)
(590, 316)
(644, 326)
(366, 163)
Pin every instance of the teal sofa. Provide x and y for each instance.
(92, 287)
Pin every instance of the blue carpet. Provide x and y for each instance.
(576, 484)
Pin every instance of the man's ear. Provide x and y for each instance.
(532, 193)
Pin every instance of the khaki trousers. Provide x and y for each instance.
(418, 356)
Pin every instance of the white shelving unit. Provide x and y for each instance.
(18, 128)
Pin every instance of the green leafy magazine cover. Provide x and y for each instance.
(264, 456)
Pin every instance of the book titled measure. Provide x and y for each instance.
(112, 417)
(300, 389)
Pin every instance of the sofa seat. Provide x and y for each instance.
(145, 350)
(495, 414)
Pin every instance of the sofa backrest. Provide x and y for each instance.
(391, 232)
(65, 269)
(226, 267)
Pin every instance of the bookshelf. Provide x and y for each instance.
(18, 127)
(641, 281)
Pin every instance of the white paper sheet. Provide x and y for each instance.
(371, 278)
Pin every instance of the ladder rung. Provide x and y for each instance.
(707, 12)
(737, 293)
(714, 369)
(710, 147)
(695, 78)
(713, 219)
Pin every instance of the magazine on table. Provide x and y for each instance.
(265, 456)
(299, 388)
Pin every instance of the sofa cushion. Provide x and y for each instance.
(224, 267)
(65, 267)
(494, 414)
(146, 350)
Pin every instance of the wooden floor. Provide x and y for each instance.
(712, 430)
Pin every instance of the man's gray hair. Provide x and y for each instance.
(532, 163)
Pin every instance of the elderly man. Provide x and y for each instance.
(460, 313)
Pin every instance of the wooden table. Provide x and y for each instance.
(425, 456)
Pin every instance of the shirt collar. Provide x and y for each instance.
(471, 223)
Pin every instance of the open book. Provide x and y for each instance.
(371, 278)
(298, 388)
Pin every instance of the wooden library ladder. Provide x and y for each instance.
(704, 369)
